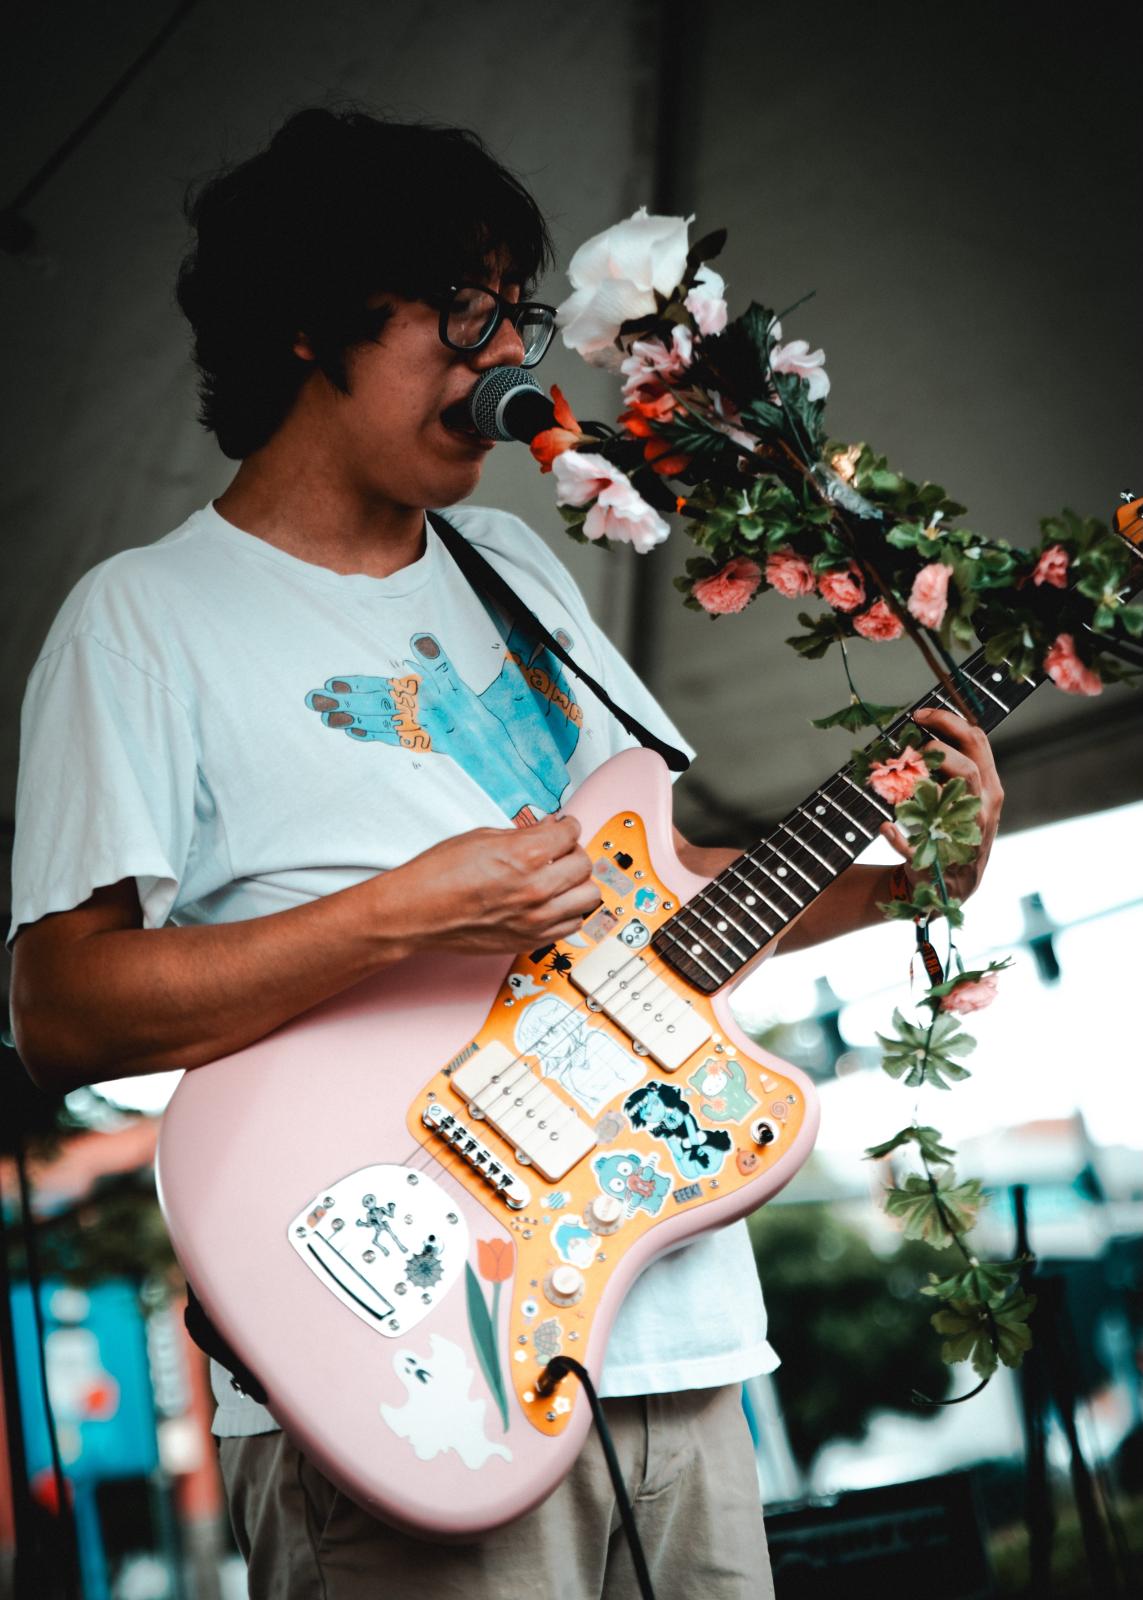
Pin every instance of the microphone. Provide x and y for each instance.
(508, 403)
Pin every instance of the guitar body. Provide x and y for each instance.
(398, 1284)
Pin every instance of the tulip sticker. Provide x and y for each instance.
(495, 1259)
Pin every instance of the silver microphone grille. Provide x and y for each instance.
(487, 400)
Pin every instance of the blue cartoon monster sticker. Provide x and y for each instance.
(666, 1114)
(638, 1183)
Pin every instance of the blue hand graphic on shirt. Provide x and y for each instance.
(513, 739)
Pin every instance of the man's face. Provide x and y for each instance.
(387, 437)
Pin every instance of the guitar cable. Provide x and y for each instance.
(556, 1370)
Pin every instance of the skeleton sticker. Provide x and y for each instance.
(588, 1063)
(638, 1183)
(666, 1114)
(439, 1413)
(721, 1081)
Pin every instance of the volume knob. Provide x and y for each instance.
(563, 1286)
(604, 1214)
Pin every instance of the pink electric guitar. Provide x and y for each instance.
(397, 1209)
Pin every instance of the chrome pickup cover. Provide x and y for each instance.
(388, 1242)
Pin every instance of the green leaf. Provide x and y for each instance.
(985, 1282)
(938, 1211)
(824, 631)
(927, 1140)
(968, 1330)
(857, 715)
(484, 1341)
(926, 1054)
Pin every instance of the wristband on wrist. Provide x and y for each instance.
(899, 886)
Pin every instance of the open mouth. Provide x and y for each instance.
(457, 420)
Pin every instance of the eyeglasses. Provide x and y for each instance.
(471, 314)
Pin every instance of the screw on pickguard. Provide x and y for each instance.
(377, 1218)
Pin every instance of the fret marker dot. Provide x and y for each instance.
(851, 837)
(750, 900)
(696, 949)
(819, 811)
(721, 926)
(781, 872)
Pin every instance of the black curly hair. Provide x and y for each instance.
(340, 204)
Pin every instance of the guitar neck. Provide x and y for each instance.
(720, 930)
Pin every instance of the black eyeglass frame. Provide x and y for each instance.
(510, 310)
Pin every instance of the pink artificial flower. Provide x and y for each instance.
(929, 598)
(650, 363)
(730, 590)
(619, 510)
(797, 357)
(705, 302)
(789, 573)
(896, 778)
(879, 622)
(1067, 671)
(843, 589)
(1052, 567)
(971, 994)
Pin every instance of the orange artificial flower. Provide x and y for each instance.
(495, 1258)
(553, 442)
(659, 453)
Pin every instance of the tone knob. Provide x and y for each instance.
(604, 1214)
(564, 1286)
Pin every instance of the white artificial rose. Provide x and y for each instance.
(706, 303)
(615, 277)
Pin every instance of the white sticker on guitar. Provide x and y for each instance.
(582, 1059)
(439, 1414)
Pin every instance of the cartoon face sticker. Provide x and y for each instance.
(646, 900)
(747, 1162)
(638, 1183)
(721, 1081)
(574, 1241)
(665, 1113)
(635, 933)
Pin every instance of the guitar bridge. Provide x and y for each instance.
(515, 1195)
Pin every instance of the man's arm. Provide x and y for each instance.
(95, 995)
(851, 901)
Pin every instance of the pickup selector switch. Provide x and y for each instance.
(564, 1286)
(604, 1214)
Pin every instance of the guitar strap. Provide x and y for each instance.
(491, 587)
(495, 591)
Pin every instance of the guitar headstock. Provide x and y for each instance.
(1128, 521)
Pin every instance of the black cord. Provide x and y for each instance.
(557, 1369)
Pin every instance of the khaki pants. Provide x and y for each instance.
(688, 1464)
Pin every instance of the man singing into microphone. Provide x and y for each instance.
(288, 745)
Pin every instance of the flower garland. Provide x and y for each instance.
(733, 414)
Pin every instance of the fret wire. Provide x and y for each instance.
(818, 823)
(858, 827)
(729, 893)
(755, 890)
(786, 861)
(783, 919)
(857, 789)
(984, 689)
(775, 883)
(828, 865)
(775, 878)
(719, 912)
(696, 960)
(717, 933)
(689, 910)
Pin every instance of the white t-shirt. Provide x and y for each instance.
(186, 688)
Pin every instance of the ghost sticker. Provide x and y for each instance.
(439, 1414)
(635, 933)
(574, 1241)
(638, 1183)
(721, 1082)
(666, 1114)
(591, 1065)
(523, 985)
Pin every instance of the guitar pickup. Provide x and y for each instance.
(506, 1091)
(659, 1020)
